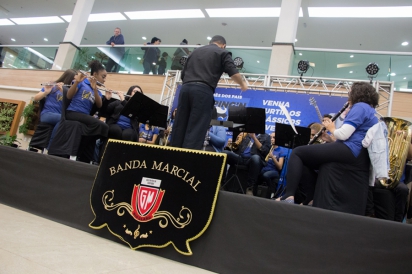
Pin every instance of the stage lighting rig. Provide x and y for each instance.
(372, 70)
(303, 67)
(238, 62)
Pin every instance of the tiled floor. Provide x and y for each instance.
(31, 244)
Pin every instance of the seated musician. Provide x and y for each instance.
(148, 133)
(363, 99)
(228, 145)
(251, 152)
(215, 140)
(270, 172)
(122, 127)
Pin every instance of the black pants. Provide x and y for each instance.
(304, 159)
(95, 129)
(254, 164)
(194, 112)
(116, 132)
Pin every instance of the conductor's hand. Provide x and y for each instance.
(243, 86)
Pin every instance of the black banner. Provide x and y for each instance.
(153, 196)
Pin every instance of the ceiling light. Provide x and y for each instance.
(246, 12)
(12, 39)
(300, 54)
(98, 17)
(45, 39)
(360, 12)
(30, 67)
(144, 38)
(165, 14)
(404, 78)
(37, 20)
(139, 58)
(405, 43)
(410, 66)
(11, 55)
(296, 40)
(351, 56)
(351, 71)
(258, 61)
(393, 74)
(5, 22)
(209, 38)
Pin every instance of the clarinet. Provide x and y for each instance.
(345, 106)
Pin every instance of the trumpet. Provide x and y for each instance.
(101, 86)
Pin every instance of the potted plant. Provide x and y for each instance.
(7, 140)
(7, 112)
(27, 115)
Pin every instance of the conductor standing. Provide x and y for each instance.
(200, 76)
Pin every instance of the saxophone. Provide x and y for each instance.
(270, 152)
(235, 145)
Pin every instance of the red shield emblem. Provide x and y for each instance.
(146, 199)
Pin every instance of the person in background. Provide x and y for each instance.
(116, 51)
(151, 56)
(148, 133)
(179, 53)
(270, 173)
(162, 63)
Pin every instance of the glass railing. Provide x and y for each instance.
(325, 63)
(28, 57)
(395, 67)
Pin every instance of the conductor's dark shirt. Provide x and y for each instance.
(207, 64)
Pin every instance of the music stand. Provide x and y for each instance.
(145, 108)
(242, 119)
(287, 137)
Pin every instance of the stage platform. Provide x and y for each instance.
(246, 235)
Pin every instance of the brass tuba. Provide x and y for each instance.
(399, 140)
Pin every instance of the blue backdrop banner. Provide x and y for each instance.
(301, 106)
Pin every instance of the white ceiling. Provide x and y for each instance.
(332, 33)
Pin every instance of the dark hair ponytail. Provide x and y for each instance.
(95, 66)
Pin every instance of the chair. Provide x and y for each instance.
(72, 139)
(344, 187)
(41, 137)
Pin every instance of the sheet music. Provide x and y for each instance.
(283, 108)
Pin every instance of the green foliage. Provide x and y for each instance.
(7, 140)
(7, 111)
(82, 60)
(27, 115)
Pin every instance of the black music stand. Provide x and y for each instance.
(242, 119)
(145, 108)
(287, 137)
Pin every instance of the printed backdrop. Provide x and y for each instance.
(298, 105)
